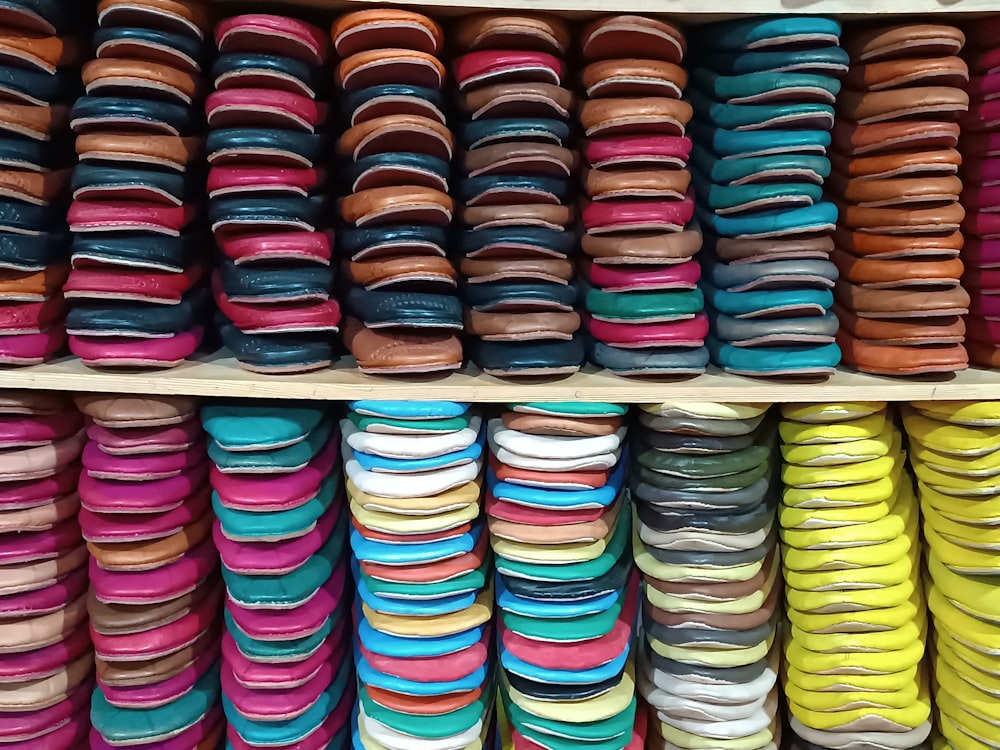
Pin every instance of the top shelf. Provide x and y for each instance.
(219, 376)
(682, 9)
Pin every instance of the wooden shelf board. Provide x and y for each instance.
(219, 376)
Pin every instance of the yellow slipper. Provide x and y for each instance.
(698, 603)
(689, 741)
(869, 621)
(979, 635)
(972, 714)
(967, 654)
(851, 452)
(861, 643)
(960, 509)
(824, 602)
(395, 523)
(791, 517)
(948, 661)
(959, 737)
(868, 719)
(976, 413)
(464, 495)
(866, 493)
(976, 595)
(875, 576)
(713, 657)
(960, 558)
(689, 573)
(598, 708)
(861, 683)
(881, 663)
(550, 554)
(836, 476)
(970, 466)
(843, 431)
(429, 626)
(847, 558)
(954, 484)
(975, 700)
(883, 530)
(850, 700)
(973, 536)
(707, 409)
(951, 439)
(839, 411)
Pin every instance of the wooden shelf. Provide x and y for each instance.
(680, 9)
(219, 376)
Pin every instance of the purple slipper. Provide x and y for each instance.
(22, 726)
(160, 641)
(109, 528)
(278, 705)
(71, 735)
(105, 496)
(39, 545)
(44, 662)
(24, 432)
(275, 558)
(288, 624)
(145, 467)
(130, 441)
(33, 492)
(159, 585)
(49, 599)
(273, 492)
(284, 675)
(161, 693)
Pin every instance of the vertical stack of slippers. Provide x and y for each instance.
(281, 531)
(851, 552)
(46, 661)
(560, 523)
(979, 148)
(898, 297)
(644, 311)
(955, 453)
(40, 47)
(517, 192)
(267, 152)
(154, 586)
(763, 93)
(137, 287)
(705, 491)
(399, 286)
(423, 572)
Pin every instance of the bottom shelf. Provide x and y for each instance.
(219, 375)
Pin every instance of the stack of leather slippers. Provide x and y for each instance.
(955, 452)
(46, 663)
(644, 311)
(560, 523)
(399, 288)
(517, 194)
(705, 540)
(851, 551)
(898, 297)
(154, 585)
(281, 531)
(763, 93)
(423, 572)
(137, 286)
(978, 172)
(41, 47)
(267, 151)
